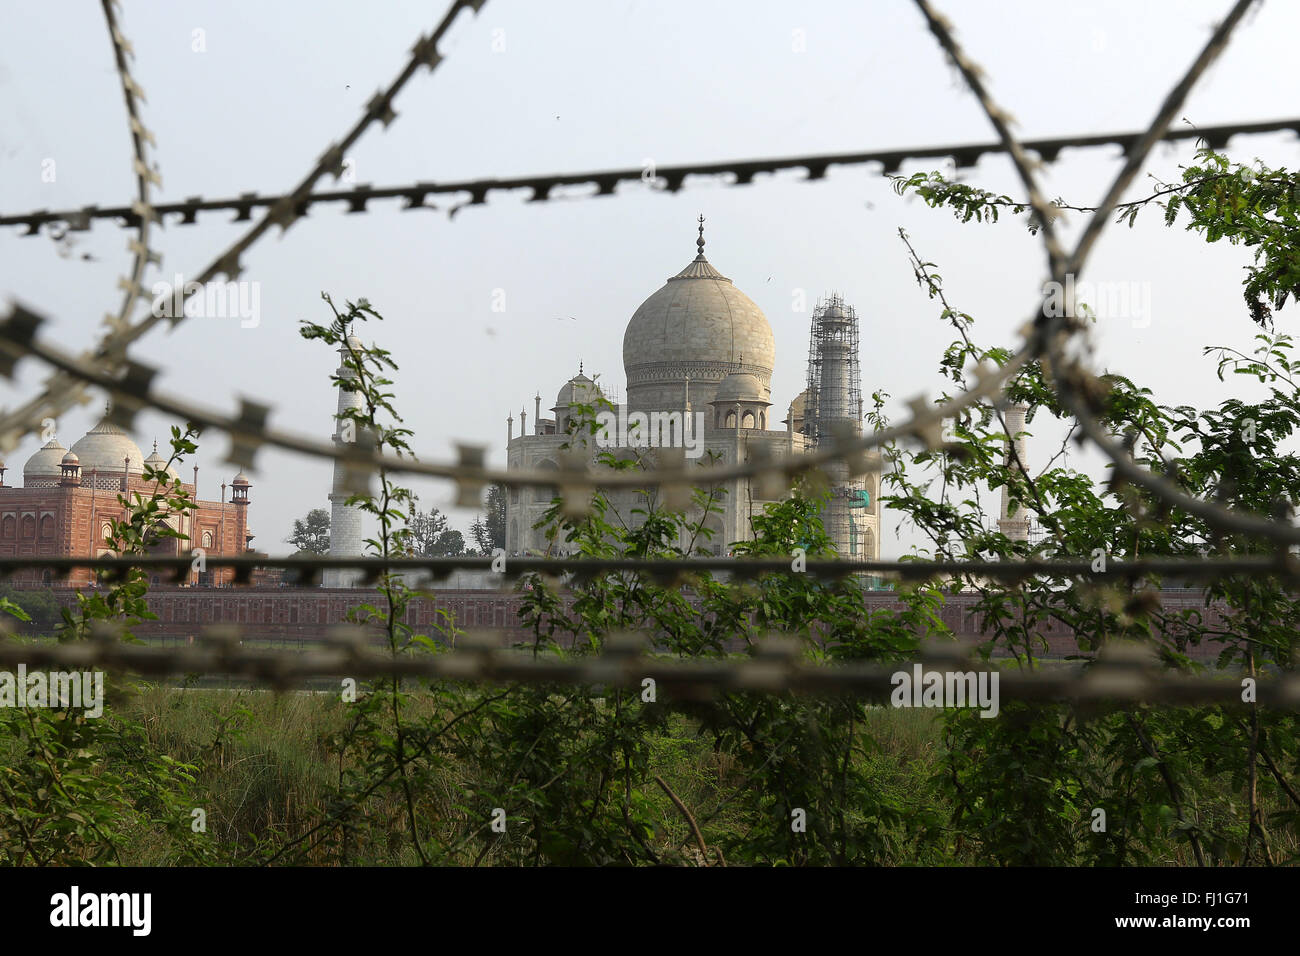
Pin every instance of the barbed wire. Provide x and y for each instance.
(510, 566)
(605, 182)
(1047, 336)
(62, 390)
(1075, 384)
(248, 430)
(1121, 673)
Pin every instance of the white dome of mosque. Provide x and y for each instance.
(104, 449)
(741, 387)
(698, 324)
(46, 462)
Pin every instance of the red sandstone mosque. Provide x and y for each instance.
(70, 496)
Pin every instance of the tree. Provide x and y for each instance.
(312, 533)
(490, 530)
(481, 535)
(432, 538)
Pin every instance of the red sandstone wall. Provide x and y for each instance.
(302, 614)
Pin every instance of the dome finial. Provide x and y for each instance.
(580, 366)
(699, 243)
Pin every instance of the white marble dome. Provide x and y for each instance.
(699, 325)
(104, 447)
(46, 462)
(579, 389)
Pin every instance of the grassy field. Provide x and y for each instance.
(267, 770)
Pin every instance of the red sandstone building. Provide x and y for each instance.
(70, 497)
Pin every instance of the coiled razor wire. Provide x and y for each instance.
(1122, 673)
(1048, 337)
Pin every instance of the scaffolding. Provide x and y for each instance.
(834, 402)
(834, 371)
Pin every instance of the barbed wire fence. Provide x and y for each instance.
(1052, 337)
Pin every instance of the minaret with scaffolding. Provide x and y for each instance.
(834, 408)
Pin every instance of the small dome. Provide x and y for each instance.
(580, 390)
(157, 462)
(796, 414)
(71, 459)
(240, 479)
(740, 387)
(46, 462)
(106, 447)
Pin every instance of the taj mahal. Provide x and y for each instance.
(698, 355)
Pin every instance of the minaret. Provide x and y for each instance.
(1017, 528)
(831, 409)
(239, 498)
(345, 519)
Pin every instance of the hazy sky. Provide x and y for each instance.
(533, 87)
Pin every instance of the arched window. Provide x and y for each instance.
(207, 539)
(748, 420)
(731, 420)
(711, 538)
(29, 526)
(9, 527)
(545, 494)
(47, 526)
(106, 531)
